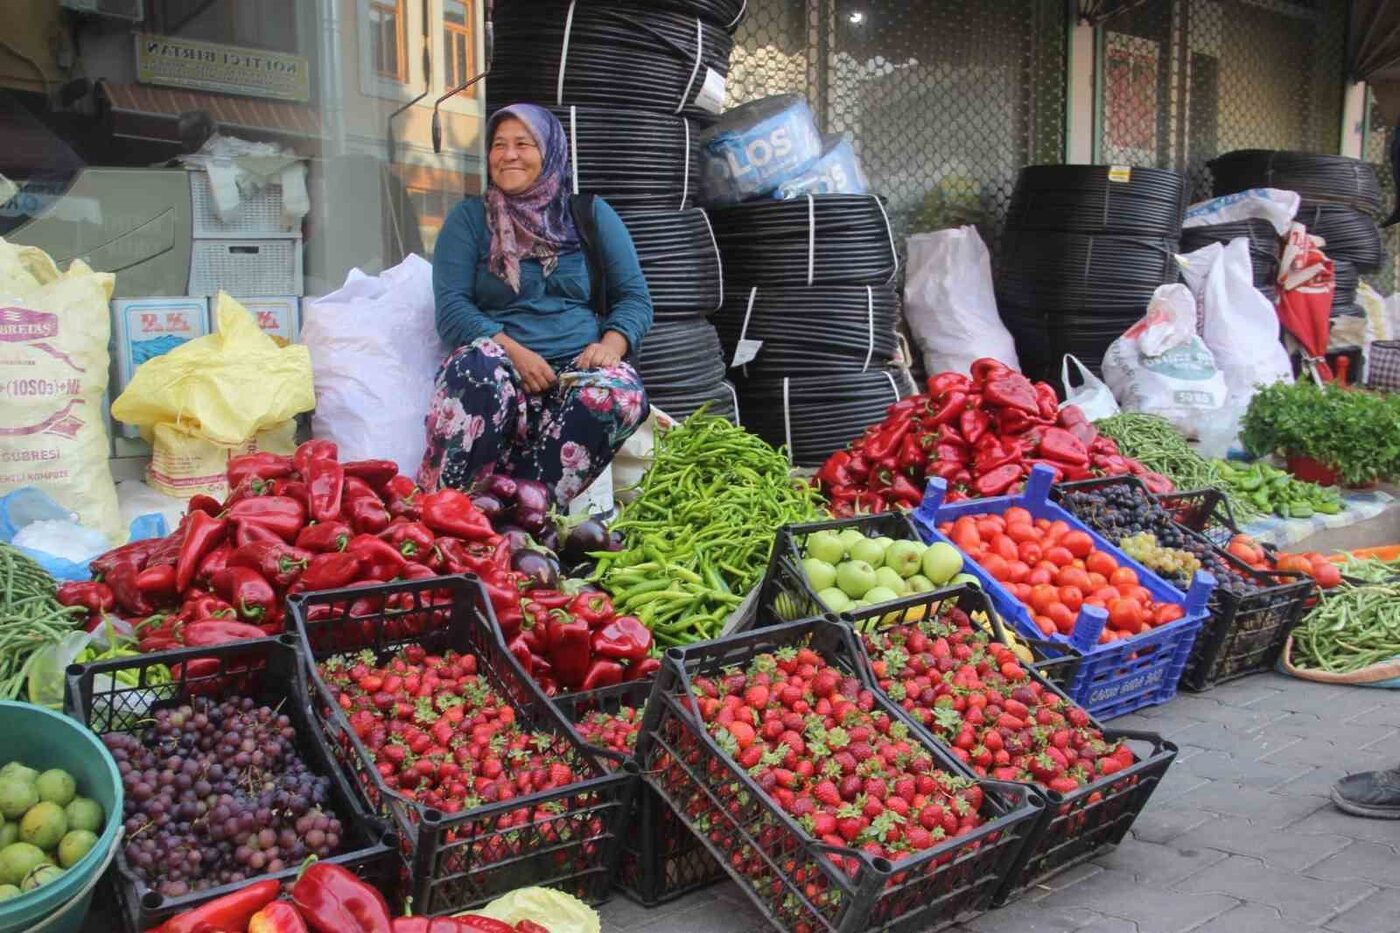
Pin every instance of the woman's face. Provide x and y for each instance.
(515, 159)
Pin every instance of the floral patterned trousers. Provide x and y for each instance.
(483, 421)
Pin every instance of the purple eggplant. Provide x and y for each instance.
(531, 496)
(540, 567)
(549, 538)
(616, 541)
(587, 536)
(500, 486)
(532, 520)
(516, 538)
(489, 505)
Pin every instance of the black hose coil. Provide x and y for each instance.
(1317, 177)
(816, 415)
(634, 159)
(828, 239)
(681, 357)
(1350, 234)
(679, 259)
(827, 328)
(1265, 245)
(1098, 199)
(1073, 271)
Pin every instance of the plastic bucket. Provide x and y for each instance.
(70, 917)
(43, 739)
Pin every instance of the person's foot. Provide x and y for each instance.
(1374, 794)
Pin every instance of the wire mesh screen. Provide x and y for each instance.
(1378, 136)
(944, 99)
(1186, 80)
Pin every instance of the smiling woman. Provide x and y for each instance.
(537, 387)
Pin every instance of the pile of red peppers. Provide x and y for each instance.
(982, 434)
(309, 522)
(327, 898)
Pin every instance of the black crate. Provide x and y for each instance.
(661, 858)
(798, 883)
(265, 670)
(1206, 511)
(786, 594)
(460, 860)
(1074, 827)
(1245, 632)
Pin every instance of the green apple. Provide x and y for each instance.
(883, 540)
(855, 577)
(849, 537)
(905, 557)
(886, 577)
(819, 573)
(942, 562)
(880, 594)
(919, 583)
(826, 546)
(868, 550)
(967, 578)
(834, 599)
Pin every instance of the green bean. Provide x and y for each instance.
(31, 619)
(1350, 628)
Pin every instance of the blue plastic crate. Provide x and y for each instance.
(1113, 679)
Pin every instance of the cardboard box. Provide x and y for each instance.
(277, 317)
(144, 328)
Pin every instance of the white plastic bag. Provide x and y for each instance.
(1275, 205)
(375, 352)
(1093, 397)
(1238, 323)
(949, 302)
(1160, 366)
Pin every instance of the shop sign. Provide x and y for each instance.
(175, 62)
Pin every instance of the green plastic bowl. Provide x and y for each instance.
(43, 739)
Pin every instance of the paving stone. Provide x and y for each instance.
(1385, 715)
(1160, 864)
(1248, 692)
(1218, 737)
(1161, 823)
(1028, 917)
(1327, 729)
(1335, 703)
(1243, 720)
(1281, 850)
(1154, 910)
(1328, 820)
(1379, 913)
(1253, 918)
(1361, 861)
(1258, 806)
(1298, 899)
(1219, 765)
(1063, 881)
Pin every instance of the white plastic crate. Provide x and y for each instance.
(252, 268)
(257, 216)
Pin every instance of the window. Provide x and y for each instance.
(388, 48)
(459, 59)
(257, 24)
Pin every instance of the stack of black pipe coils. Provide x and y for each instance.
(633, 82)
(1085, 247)
(1265, 245)
(1341, 199)
(809, 317)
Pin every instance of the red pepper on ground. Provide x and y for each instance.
(949, 409)
(94, 596)
(279, 563)
(401, 487)
(133, 554)
(380, 560)
(625, 638)
(157, 583)
(1007, 389)
(230, 912)
(985, 367)
(356, 488)
(282, 515)
(367, 515)
(332, 900)
(251, 596)
(378, 473)
(973, 423)
(251, 532)
(312, 450)
(451, 512)
(206, 633)
(203, 533)
(259, 465)
(324, 536)
(904, 492)
(594, 608)
(413, 539)
(1047, 402)
(833, 473)
(331, 571)
(202, 503)
(940, 383)
(325, 486)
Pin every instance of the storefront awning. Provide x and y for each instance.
(151, 112)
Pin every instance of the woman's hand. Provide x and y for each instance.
(604, 354)
(535, 374)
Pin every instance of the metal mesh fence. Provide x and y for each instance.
(1185, 80)
(1377, 152)
(945, 100)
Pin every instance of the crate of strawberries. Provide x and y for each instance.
(1252, 611)
(661, 858)
(939, 657)
(226, 779)
(1050, 575)
(815, 795)
(448, 737)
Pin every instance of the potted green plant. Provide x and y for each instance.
(1328, 435)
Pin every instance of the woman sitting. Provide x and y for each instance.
(537, 387)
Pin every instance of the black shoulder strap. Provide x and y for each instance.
(581, 206)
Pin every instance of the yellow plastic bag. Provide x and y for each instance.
(54, 331)
(228, 393)
(554, 910)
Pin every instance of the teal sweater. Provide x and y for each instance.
(553, 316)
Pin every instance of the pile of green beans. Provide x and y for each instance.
(699, 532)
(30, 618)
(1350, 628)
(1370, 569)
(1161, 448)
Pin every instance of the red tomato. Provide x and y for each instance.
(1063, 617)
(1021, 591)
(1099, 562)
(1028, 551)
(1016, 516)
(966, 539)
(1097, 580)
(1125, 615)
(1042, 523)
(1058, 529)
(1059, 555)
(1019, 571)
(1044, 624)
(1327, 575)
(1123, 575)
(1004, 546)
(1072, 597)
(1107, 594)
(1043, 597)
(1166, 612)
(990, 525)
(1078, 542)
(1022, 531)
(1039, 575)
(1045, 565)
(1073, 576)
(997, 566)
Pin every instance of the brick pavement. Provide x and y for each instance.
(1239, 838)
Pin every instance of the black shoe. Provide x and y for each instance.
(1374, 794)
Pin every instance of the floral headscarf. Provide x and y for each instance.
(536, 222)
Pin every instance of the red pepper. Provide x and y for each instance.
(133, 554)
(973, 423)
(203, 533)
(325, 485)
(416, 571)
(833, 472)
(905, 492)
(378, 473)
(324, 536)
(625, 638)
(230, 912)
(1060, 445)
(1057, 469)
(643, 668)
(451, 512)
(282, 515)
(313, 450)
(251, 596)
(250, 488)
(157, 582)
(949, 410)
(380, 560)
(475, 557)
(948, 453)
(94, 596)
(602, 673)
(332, 900)
(202, 503)
(251, 532)
(1084, 431)
(1011, 390)
(331, 571)
(258, 465)
(913, 456)
(129, 598)
(205, 606)
(997, 481)
(356, 488)
(1157, 484)
(594, 608)
(463, 924)
(994, 455)
(279, 563)
(206, 633)
(1046, 401)
(401, 487)
(1012, 422)
(945, 382)
(529, 926)
(888, 436)
(946, 469)
(292, 489)
(1071, 414)
(859, 467)
(277, 917)
(570, 649)
(367, 516)
(986, 367)
(1103, 445)
(520, 648)
(413, 539)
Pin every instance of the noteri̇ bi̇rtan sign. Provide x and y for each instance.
(229, 69)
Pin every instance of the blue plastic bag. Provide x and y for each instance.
(30, 504)
(756, 147)
(838, 171)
